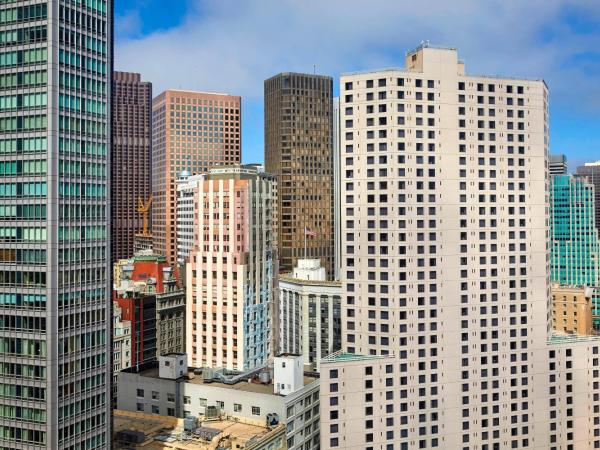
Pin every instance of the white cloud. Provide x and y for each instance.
(233, 45)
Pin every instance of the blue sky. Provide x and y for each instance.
(233, 45)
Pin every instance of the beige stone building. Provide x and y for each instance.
(572, 309)
(231, 269)
(191, 131)
(446, 310)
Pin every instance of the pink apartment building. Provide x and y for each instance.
(230, 268)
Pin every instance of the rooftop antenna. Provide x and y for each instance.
(314, 69)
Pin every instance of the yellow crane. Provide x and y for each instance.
(143, 209)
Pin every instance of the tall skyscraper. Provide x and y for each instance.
(298, 151)
(231, 270)
(191, 131)
(591, 171)
(557, 164)
(55, 336)
(575, 251)
(446, 324)
(130, 159)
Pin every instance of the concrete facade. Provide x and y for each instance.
(309, 313)
(446, 277)
(337, 201)
(187, 185)
(192, 131)
(254, 401)
(121, 346)
(572, 309)
(557, 164)
(231, 271)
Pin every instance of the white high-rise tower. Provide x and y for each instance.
(445, 313)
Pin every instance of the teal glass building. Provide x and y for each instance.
(55, 327)
(574, 237)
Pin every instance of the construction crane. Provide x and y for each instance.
(143, 209)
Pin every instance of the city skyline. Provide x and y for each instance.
(398, 247)
(557, 45)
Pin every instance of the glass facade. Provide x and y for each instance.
(55, 66)
(574, 239)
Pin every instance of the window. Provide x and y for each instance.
(186, 400)
(140, 393)
(237, 407)
(202, 401)
(155, 409)
(140, 406)
(171, 412)
(155, 395)
(171, 398)
(256, 411)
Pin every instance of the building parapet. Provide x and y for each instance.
(290, 278)
(341, 356)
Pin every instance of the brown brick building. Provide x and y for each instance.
(130, 158)
(299, 152)
(192, 131)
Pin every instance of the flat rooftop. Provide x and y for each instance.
(163, 433)
(340, 356)
(289, 277)
(560, 338)
(245, 386)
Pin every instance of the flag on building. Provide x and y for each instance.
(309, 232)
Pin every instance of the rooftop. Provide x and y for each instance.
(301, 74)
(190, 91)
(558, 338)
(163, 433)
(246, 386)
(289, 277)
(468, 75)
(426, 45)
(344, 357)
